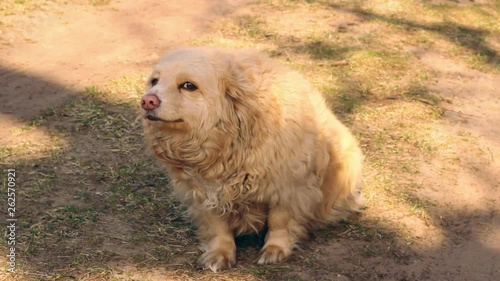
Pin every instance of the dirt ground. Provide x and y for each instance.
(93, 209)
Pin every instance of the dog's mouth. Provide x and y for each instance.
(155, 119)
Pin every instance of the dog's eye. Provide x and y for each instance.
(154, 81)
(189, 86)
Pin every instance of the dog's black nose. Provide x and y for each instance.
(150, 101)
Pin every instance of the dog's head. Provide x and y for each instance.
(197, 90)
(182, 91)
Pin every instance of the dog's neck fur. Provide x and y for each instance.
(212, 166)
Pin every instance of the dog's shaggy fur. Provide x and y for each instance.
(252, 143)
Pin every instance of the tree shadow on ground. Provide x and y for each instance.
(470, 38)
(90, 196)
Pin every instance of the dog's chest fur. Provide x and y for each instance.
(235, 199)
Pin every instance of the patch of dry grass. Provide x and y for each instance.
(13, 7)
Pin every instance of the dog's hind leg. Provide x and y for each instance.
(283, 233)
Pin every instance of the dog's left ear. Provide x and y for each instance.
(235, 82)
(239, 93)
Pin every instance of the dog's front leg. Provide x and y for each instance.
(217, 240)
(283, 233)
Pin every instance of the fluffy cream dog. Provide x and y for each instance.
(247, 142)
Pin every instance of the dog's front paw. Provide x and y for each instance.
(218, 259)
(273, 254)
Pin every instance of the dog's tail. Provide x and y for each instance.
(342, 185)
